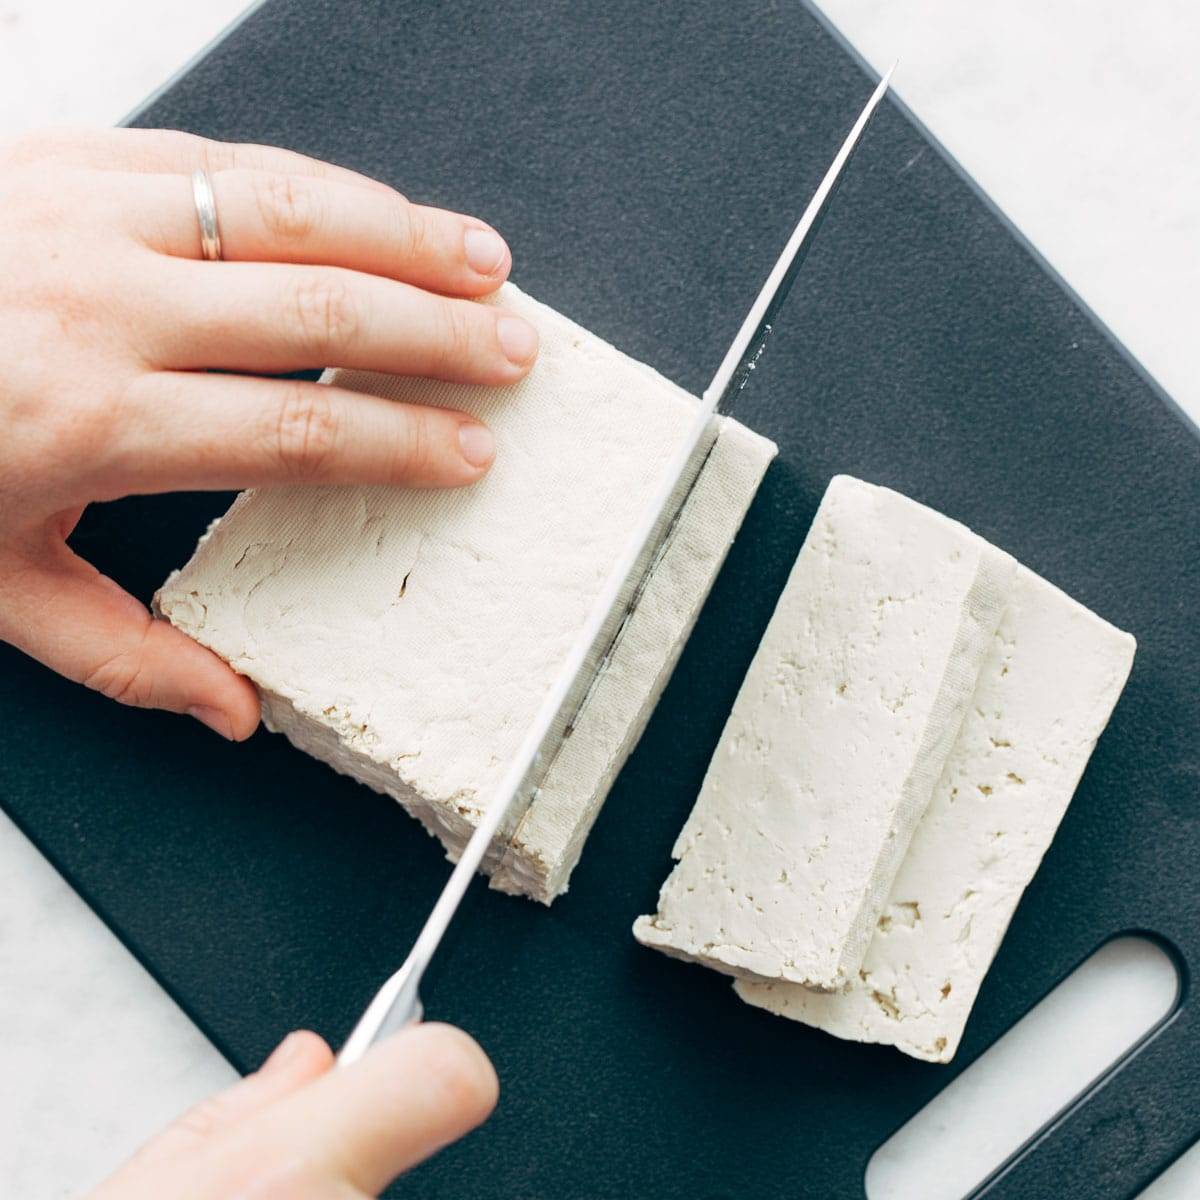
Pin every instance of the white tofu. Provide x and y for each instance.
(837, 737)
(551, 836)
(1054, 673)
(408, 637)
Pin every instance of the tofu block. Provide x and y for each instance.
(1053, 675)
(551, 836)
(838, 735)
(407, 637)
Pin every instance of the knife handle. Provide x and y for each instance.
(396, 1006)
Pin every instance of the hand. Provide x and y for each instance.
(299, 1130)
(109, 319)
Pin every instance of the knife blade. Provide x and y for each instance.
(398, 1002)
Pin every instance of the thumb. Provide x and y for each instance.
(63, 612)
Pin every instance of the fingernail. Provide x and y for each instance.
(282, 1053)
(477, 444)
(518, 339)
(485, 250)
(214, 718)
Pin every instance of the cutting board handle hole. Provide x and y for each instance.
(1055, 1057)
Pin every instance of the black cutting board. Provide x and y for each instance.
(646, 164)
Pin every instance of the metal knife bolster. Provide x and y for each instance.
(607, 640)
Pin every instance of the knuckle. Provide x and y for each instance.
(306, 433)
(123, 677)
(149, 149)
(287, 206)
(326, 314)
(203, 1120)
(456, 340)
(214, 155)
(250, 156)
(414, 449)
(412, 230)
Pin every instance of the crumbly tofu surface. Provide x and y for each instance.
(838, 735)
(407, 637)
(1051, 680)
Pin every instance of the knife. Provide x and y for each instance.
(398, 1002)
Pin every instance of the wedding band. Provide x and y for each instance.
(206, 210)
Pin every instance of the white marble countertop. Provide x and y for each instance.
(1077, 119)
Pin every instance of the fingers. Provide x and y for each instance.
(63, 612)
(363, 1125)
(281, 216)
(279, 317)
(215, 432)
(299, 1128)
(300, 1058)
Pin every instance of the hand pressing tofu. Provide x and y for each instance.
(110, 321)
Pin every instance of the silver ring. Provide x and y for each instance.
(206, 210)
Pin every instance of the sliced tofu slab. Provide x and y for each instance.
(407, 637)
(838, 735)
(1053, 675)
(551, 836)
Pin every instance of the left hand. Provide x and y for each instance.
(110, 322)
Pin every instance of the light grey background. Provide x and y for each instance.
(1078, 117)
